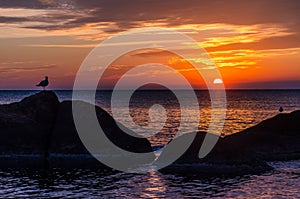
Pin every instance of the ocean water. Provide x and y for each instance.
(282, 182)
(244, 109)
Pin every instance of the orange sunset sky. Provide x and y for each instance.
(255, 44)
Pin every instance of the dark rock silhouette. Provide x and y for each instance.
(66, 144)
(26, 125)
(25, 129)
(276, 138)
(222, 160)
(39, 131)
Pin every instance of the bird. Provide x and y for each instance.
(44, 83)
(280, 109)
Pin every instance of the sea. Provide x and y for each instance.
(244, 108)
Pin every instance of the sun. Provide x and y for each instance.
(218, 81)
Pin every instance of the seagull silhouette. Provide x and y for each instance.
(44, 83)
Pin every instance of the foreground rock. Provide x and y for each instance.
(222, 160)
(274, 139)
(39, 131)
(67, 148)
(277, 138)
(26, 127)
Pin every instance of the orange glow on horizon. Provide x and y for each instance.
(248, 54)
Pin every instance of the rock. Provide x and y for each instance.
(25, 130)
(26, 126)
(222, 160)
(276, 138)
(67, 148)
(39, 131)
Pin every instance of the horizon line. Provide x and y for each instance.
(230, 89)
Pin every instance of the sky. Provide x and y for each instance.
(254, 44)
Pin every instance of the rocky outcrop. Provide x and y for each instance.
(222, 160)
(276, 138)
(26, 126)
(66, 146)
(39, 131)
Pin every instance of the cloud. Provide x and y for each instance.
(37, 4)
(150, 53)
(237, 34)
(129, 14)
(61, 45)
(246, 34)
(230, 24)
(245, 58)
(283, 84)
(6, 69)
(12, 19)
